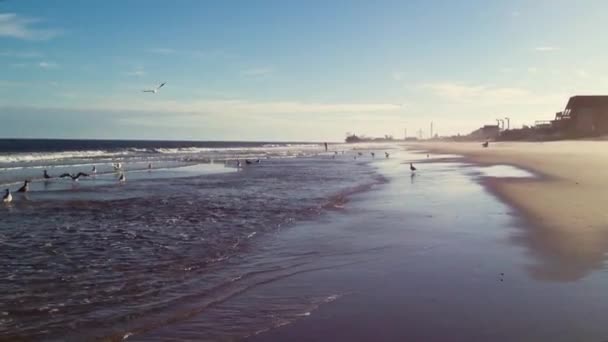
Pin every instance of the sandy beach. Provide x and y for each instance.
(566, 204)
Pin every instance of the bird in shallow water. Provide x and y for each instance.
(7, 198)
(486, 144)
(386, 155)
(94, 170)
(412, 168)
(74, 177)
(46, 175)
(25, 187)
(373, 154)
(248, 162)
(122, 178)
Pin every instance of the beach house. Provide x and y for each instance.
(583, 116)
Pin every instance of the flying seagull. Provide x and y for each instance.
(74, 177)
(155, 90)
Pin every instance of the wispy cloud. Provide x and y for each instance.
(20, 54)
(474, 93)
(545, 48)
(19, 27)
(475, 96)
(162, 51)
(257, 72)
(203, 54)
(237, 106)
(582, 73)
(139, 72)
(48, 65)
(397, 75)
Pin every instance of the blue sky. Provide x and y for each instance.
(286, 70)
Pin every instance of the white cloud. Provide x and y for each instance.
(18, 27)
(582, 73)
(48, 65)
(545, 48)
(397, 75)
(20, 54)
(162, 51)
(255, 72)
(242, 107)
(136, 73)
(464, 93)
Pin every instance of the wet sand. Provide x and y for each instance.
(566, 205)
(439, 258)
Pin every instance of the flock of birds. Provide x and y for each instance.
(8, 197)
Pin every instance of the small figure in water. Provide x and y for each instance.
(325, 146)
(386, 155)
(7, 198)
(25, 187)
(373, 155)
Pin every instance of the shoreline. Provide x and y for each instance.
(563, 205)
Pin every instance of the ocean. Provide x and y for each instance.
(98, 258)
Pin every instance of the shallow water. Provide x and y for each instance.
(95, 258)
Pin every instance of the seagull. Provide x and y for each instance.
(122, 178)
(248, 162)
(25, 187)
(373, 155)
(7, 198)
(155, 90)
(258, 161)
(386, 155)
(74, 177)
(149, 166)
(94, 170)
(46, 175)
(412, 168)
(485, 144)
(117, 166)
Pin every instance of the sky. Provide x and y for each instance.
(292, 70)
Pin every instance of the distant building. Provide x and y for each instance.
(486, 132)
(583, 116)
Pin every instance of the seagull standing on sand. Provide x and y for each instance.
(7, 198)
(25, 187)
(412, 168)
(155, 90)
